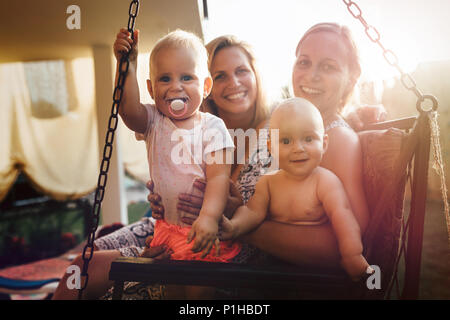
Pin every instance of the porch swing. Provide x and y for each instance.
(394, 152)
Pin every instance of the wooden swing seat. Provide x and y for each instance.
(388, 148)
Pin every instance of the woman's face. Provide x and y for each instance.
(321, 74)
(234, 82)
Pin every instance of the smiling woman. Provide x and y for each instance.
(327, 67)
(237, 85)
(234, 83)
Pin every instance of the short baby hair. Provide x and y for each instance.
(296, 106)
(181, 39)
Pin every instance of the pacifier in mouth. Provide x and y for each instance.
(177, 105)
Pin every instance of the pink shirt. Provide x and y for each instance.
(178, 156)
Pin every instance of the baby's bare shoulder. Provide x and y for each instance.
(325, 176)
(266, 179)
(271, 180)
(342, 132)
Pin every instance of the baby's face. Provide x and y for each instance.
(177, 75)
(302, 142)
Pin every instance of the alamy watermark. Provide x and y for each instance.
(374, 280)
(188, 148)
(74, 280)
(73, 22)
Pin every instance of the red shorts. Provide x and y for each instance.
(175, 238)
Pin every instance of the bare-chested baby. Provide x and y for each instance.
(301, 192)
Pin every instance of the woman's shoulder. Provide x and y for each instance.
(339, 122)
(342, 135)
(344, 148)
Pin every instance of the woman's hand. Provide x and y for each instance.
(366, 115)
(191, 204)
(161, 252)
(234, 201)
(155, 202)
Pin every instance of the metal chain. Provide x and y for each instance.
(405, 78)
(124, 63)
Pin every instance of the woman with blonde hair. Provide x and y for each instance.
(261, 104)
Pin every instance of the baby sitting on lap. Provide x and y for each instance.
(301, 192)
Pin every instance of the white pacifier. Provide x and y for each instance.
(176, 106)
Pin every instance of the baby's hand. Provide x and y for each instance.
(355, 266)
(204, 230)
(124, 44)
(227, 230)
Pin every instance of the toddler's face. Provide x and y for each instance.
(178, 76)
(302, 143)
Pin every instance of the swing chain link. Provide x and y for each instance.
(406, 79)
(124, 63)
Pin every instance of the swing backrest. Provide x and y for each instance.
(387, 152)
(381, 151)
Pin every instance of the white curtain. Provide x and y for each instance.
(48, 129)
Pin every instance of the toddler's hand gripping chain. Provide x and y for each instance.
(107, 150)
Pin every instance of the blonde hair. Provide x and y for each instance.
(261, 104)
(181, 39)
(345, 34)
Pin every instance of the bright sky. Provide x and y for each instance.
(414, 30)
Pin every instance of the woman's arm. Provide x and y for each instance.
(344, 159)
(191, 204)
(301, 245)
